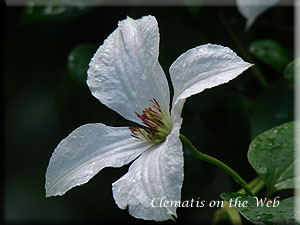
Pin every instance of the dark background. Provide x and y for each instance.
(46, 98)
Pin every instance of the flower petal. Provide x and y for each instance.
(86, 151)
(200, 68)
(157, 174)
(125, 73)
(251, 9)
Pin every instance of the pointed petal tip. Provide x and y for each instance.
(247, 66)
(49, 193)
(172, 217)
(247, 26)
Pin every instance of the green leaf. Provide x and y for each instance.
(53, 10)
(78, 62)
(290, 70)
(272, 156)
(273, 107)
(282, 214)
(272, 53)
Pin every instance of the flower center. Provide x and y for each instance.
(158, 125)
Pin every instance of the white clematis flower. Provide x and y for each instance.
(126, 76)
(251, 9)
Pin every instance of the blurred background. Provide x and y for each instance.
(47, 51)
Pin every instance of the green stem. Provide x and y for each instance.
(242, 50)
(269, 194)
(258, 187)
(255, 186)
(216, 162)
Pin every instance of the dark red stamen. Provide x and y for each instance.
(152, 118)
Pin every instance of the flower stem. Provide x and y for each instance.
(255, 186)
(216, 162)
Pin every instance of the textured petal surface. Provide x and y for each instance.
(125, 73)
(251, 9)
(157, 174)
(203, 67)
(86, 151)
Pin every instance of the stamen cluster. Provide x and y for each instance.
(157, 124)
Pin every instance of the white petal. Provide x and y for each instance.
(125, 73)
(86, 151)
(251, 9)
(200, 68)
(156, 174)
